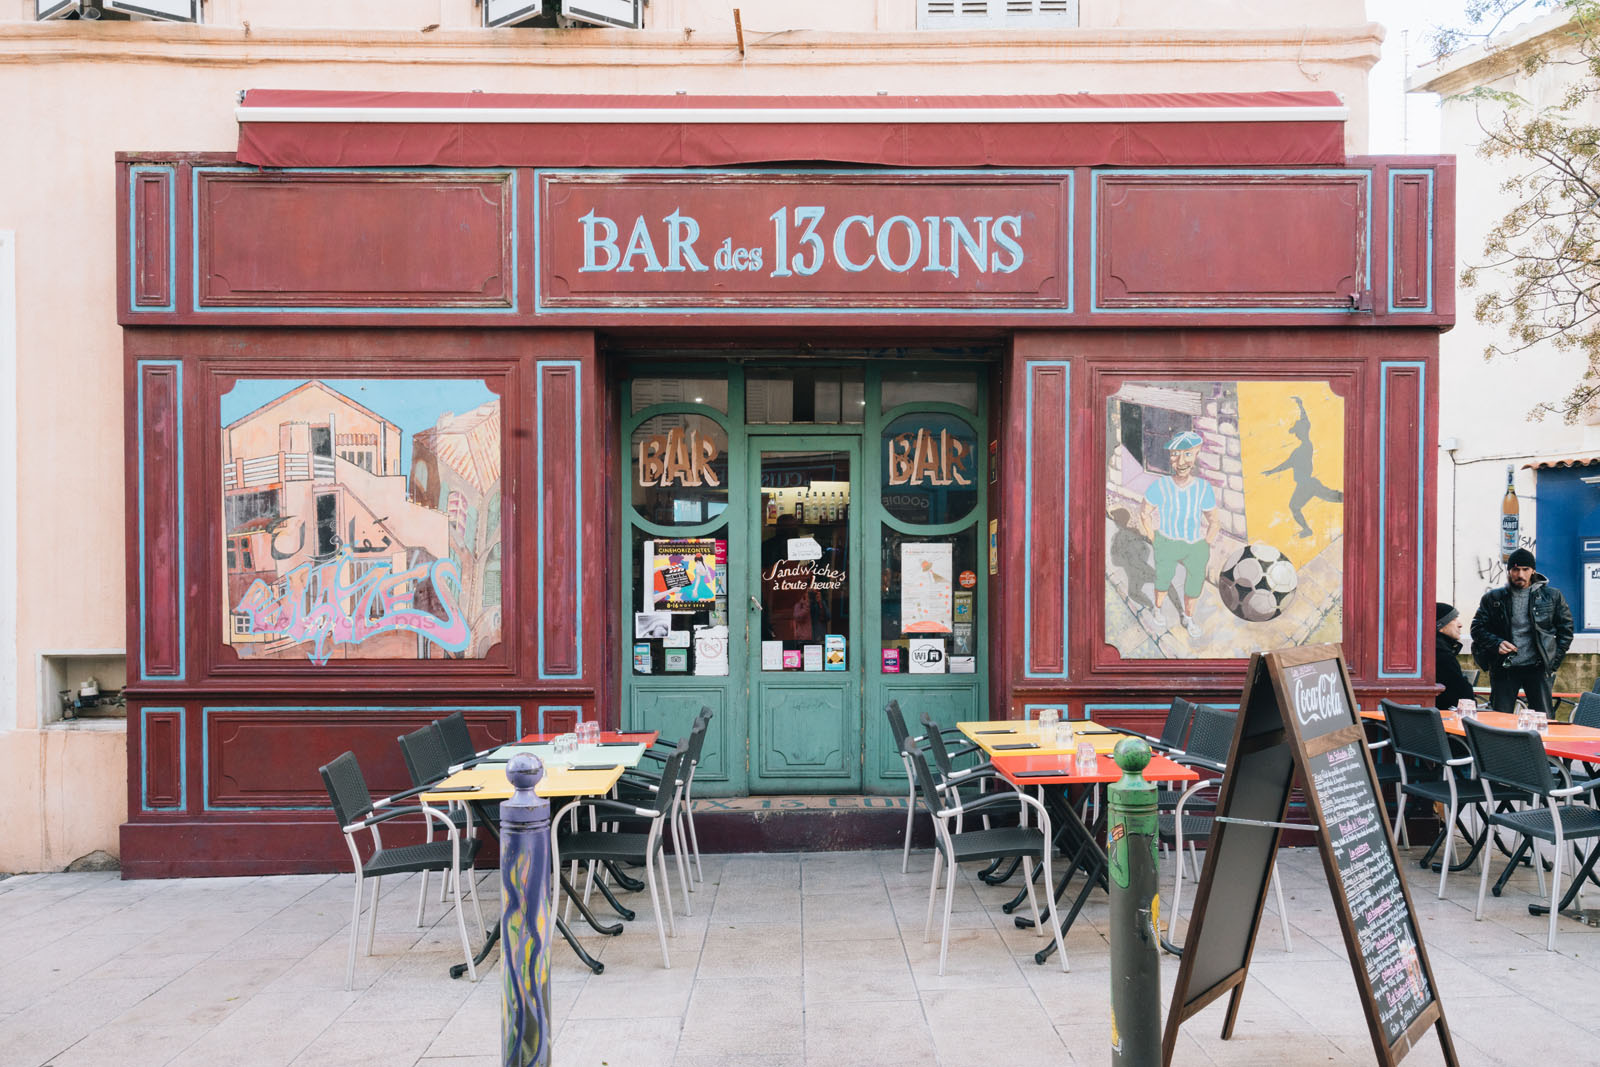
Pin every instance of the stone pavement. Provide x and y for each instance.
(789, 960)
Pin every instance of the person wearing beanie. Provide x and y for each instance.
(1179, 515)
(1520, 633)
(1446, 667)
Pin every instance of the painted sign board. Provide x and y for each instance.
(1299, 723)
(676, 241)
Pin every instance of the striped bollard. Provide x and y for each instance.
(1131, 842)
(526, 923)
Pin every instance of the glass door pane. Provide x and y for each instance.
(805, 675)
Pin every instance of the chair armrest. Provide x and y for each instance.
(1461, 761)
(1575, 788)
(394, 813)
(980, 770)
(1373, 746)
(602, 804)
(981, 804)
(1189, 760)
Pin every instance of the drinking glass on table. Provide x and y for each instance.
(1088, 762)
(1467, 709)
(1063, 738)
(1048, 717)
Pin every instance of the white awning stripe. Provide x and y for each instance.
(791, 116)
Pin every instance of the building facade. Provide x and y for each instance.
(1486, 430)
(475, 387)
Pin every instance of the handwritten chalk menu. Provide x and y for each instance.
(1360, 843)
(1298, 723)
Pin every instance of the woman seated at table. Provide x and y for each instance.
(1446, 666)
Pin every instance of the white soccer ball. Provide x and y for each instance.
(1257, 583)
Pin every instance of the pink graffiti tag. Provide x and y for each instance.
(308, 604)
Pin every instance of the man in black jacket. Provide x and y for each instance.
(1520, 634)
(1446, 667)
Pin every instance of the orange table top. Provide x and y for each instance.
(1562, 740)
(1026, 770)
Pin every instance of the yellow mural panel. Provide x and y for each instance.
(1291, 439)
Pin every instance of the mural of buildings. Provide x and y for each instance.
(1240, 482)
(329, 555)
(455, 467)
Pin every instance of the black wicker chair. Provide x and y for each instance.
(1516, 759)
(357, 811)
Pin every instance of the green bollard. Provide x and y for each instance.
(1131, 843)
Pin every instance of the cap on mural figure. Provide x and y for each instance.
(1185, 440)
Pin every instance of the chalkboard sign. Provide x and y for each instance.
(1298, 720)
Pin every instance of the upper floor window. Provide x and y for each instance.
(996, 14)
(162, 10)
(628, 14)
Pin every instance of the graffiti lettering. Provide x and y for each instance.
(346, 601)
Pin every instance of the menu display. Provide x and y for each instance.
(1298, 723)
(1371, 885)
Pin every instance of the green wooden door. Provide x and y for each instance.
(893, 471)
(803, 617)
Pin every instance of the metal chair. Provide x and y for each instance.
(597, 846)
(427, 762)
(1587, 713)
(357, 811)
(1417, 733)
(457, 738)
(906, 743)
(956, 846)
(1210, 741)
(643, 786)
(1516, 759)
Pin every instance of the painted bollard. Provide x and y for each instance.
(1131, 842)
(526, 921)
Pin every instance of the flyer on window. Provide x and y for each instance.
(926, 588)
(685, 576)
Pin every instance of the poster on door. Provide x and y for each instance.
(926, 588)
(685, 576)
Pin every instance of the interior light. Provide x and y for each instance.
(699, 400)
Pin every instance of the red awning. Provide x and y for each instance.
(297, 128)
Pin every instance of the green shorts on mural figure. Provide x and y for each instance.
(1194, 555)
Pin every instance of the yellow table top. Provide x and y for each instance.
(988, 734)
(490, 778)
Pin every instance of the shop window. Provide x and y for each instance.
(712, 392)
(959, 387)
(930, 605)
(824, 396)
(996, 14)
(680, 625)
(930, 468)
(679, 469)
(804, 588)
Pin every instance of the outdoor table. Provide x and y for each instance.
(637, 737)
(1000, 738)
(1058, 771)
(486, 783)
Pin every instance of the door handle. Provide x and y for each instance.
(755, 605)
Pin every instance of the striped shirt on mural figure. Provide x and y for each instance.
(1180, 516)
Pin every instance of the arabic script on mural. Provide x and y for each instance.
(315, 602)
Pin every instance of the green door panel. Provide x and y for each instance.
(672, 710)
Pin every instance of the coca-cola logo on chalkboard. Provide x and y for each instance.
(1317, 692)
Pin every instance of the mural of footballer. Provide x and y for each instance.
(1180, 516)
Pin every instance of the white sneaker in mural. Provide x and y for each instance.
(1192, 626)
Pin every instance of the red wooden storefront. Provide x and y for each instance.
(311, 570)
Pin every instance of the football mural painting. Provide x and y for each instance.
(1224, 517)
(361, 519)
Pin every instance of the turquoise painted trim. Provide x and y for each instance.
(557, 707)
(1095, 175)
(183, 612)
(183, 762)
(172, 237)
(1428, 308)
(1383, 477)
(194, 242)
(1092, 708)
(205, 742)
(1065, 307)
(1027, 521)
(577, 504)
